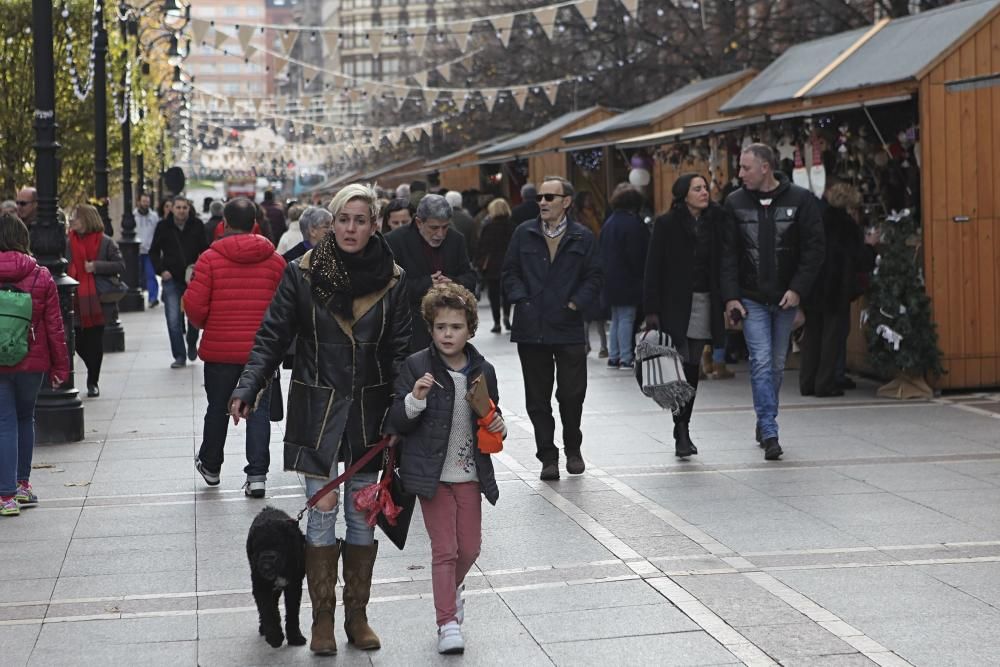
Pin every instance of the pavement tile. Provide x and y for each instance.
(129, 520)
(130, 554)
(795, 640)
(836, 660)
(739, 601)
(124, 583)
(679, 649)
(98, 654)
(604, 623)
(579, 597)
(17, 642)
(86, 635)
(26, 590)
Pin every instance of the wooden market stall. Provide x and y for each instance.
(597, 166)
(935, 79)
(460, 170)
(533, 155)
(396, 173)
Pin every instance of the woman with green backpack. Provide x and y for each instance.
(32, 343)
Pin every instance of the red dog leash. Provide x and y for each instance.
(354, 467)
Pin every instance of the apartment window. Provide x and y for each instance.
(232, 10)
(390, 65)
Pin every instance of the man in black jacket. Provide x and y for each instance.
(431, 253)
(178, 241)
(552, 273)
(772, 253)
(528, 208)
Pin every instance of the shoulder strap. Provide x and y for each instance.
(350, 472)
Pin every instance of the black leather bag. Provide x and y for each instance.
(397, 534)
(277, 404)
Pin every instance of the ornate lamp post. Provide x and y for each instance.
(59, 413)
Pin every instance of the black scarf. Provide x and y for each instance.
(339, 277)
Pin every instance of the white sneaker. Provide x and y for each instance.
(460, 604)
(450, 641)
(254, 489)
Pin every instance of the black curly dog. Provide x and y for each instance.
(276, 549)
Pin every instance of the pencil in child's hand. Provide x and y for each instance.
(438, 383)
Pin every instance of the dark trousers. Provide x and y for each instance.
(497, 300)
(90, 347)
(220, 381)
(567, 365)
(822, 341)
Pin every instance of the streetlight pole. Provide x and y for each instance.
(114, 335)
(59, 412)
(129, 244)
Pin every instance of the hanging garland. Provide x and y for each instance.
(589, 161)
(81, 92)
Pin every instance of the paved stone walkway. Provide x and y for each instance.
(875, 540)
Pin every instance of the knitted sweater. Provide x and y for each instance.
(459, 462)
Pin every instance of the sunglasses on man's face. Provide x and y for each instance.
(24, 203)
(548, 197)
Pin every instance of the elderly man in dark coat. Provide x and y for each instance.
(431, 253)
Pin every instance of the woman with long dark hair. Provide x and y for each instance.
(344, 304)
(681, 294)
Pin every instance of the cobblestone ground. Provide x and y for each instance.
(875, 540)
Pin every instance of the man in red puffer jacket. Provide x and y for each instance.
(232, 287)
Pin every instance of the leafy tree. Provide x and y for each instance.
(75, 118)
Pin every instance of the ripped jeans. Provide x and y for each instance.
(321, 527)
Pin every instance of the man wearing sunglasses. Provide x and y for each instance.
(27, 206)
(552, 273)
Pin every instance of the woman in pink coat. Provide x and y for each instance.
(19, 384)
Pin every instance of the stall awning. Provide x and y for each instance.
(471, 152)
(718, 125)
(649, 139)
(528, 139)
(889, 52)
(814, 111)
(647, 114)
(584, 147)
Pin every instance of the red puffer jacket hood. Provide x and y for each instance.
(232, 287)
(47, 340)
(244, 248)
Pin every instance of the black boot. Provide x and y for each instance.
(683, 447)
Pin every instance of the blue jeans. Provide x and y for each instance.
(620, 338)
(220, 381)
(18, 393)
(172, 293)
(149, 273)
(767, 330)
(321, 527)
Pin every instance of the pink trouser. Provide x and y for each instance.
(454, 523)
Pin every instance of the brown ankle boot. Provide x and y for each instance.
(321, 574)
(359, 561)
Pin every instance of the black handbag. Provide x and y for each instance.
(277, 404)
(110, 288)
(397, 534)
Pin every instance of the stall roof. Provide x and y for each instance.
(898, 51)
(385, 169)
(906, 46)
(471, 151)
(691, 131)
(651, 112)
(527, 139)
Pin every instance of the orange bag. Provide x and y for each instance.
(489, 443)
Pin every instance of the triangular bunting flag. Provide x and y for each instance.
(588, 10)
(354, 94)
(503, 24)
(245, 34)
(305, 104)
(288, 39)
(375, 42)
(520, 95)
(309, 73)
(445, 71)
(430, 97)
(546, 16)
(279, 64)
(220, 39)
(331, 37)
(551, 91)
(461, 33)
(421, 78)
(632, 7)
(489, 99)
(199, 28)
(419, 41)
(371, 88)
(249, 51)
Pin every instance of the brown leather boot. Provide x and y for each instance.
(321, 574)
(359, 561)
